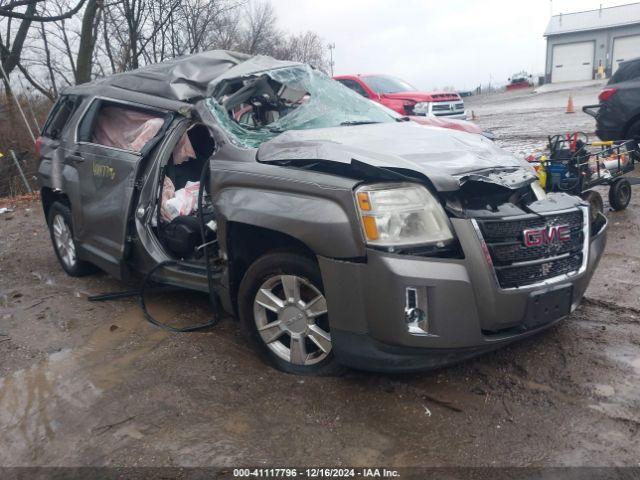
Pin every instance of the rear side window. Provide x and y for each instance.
(627, 71)
(60, 115)
(116, 125)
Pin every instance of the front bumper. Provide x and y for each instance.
(467, 312)
(453, 116)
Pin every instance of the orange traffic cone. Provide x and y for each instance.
(570, 107)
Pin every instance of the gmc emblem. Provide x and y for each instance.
(534, 237)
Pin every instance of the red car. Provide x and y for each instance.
(453, 124)
(403, 98)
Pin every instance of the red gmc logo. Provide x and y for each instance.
(534, 237)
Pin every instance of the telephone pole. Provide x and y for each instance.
(332, 47)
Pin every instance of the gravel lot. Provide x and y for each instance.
(94, 384)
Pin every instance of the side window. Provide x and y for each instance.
(115, 125)
(355, 86)
(60, 115)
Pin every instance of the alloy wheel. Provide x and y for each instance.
(291, 317)
(64, 241)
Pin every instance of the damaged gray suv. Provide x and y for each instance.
(338, 233)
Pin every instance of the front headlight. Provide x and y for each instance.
(395, 215)
(421, 107)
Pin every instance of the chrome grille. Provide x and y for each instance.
(438, 107)
(517, 265)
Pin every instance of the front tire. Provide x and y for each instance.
(283, 310)
(61, 231)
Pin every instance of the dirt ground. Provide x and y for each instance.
(94, 384)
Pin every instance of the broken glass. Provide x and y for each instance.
(294, 98)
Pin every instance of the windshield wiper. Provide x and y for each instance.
(403, 119)
(357, 122)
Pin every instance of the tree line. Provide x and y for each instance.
(57, 43)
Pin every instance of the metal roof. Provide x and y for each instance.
(594, 19)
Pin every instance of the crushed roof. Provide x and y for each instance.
(186, 78)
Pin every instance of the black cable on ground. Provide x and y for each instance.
(103, 297)
(214, 320)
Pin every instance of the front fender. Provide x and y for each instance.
(316, 209)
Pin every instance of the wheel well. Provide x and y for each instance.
(48, 196)
(246, 243)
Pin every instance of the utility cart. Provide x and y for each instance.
(575, 166)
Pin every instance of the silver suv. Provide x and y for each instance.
(338, 234)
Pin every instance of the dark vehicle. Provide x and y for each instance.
(337, 233)
(618, 113)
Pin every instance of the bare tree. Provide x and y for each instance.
(9, 10)
(88, 35)
(306, 47)
(111, 36)
(260, 34)
(11, 49)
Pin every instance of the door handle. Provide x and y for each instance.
(75, 157)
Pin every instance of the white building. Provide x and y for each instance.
(578, 43)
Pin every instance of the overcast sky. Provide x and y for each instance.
(433, 43)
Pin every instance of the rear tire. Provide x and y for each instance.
(620, 194)
(283, 311)
(61, 231)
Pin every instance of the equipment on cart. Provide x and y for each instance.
(575, 166)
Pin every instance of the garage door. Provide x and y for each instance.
(625, 48)
(572, 62)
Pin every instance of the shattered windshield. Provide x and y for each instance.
(257, 108)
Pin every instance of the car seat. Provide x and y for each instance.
(182, 235)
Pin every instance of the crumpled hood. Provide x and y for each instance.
(447, 157)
